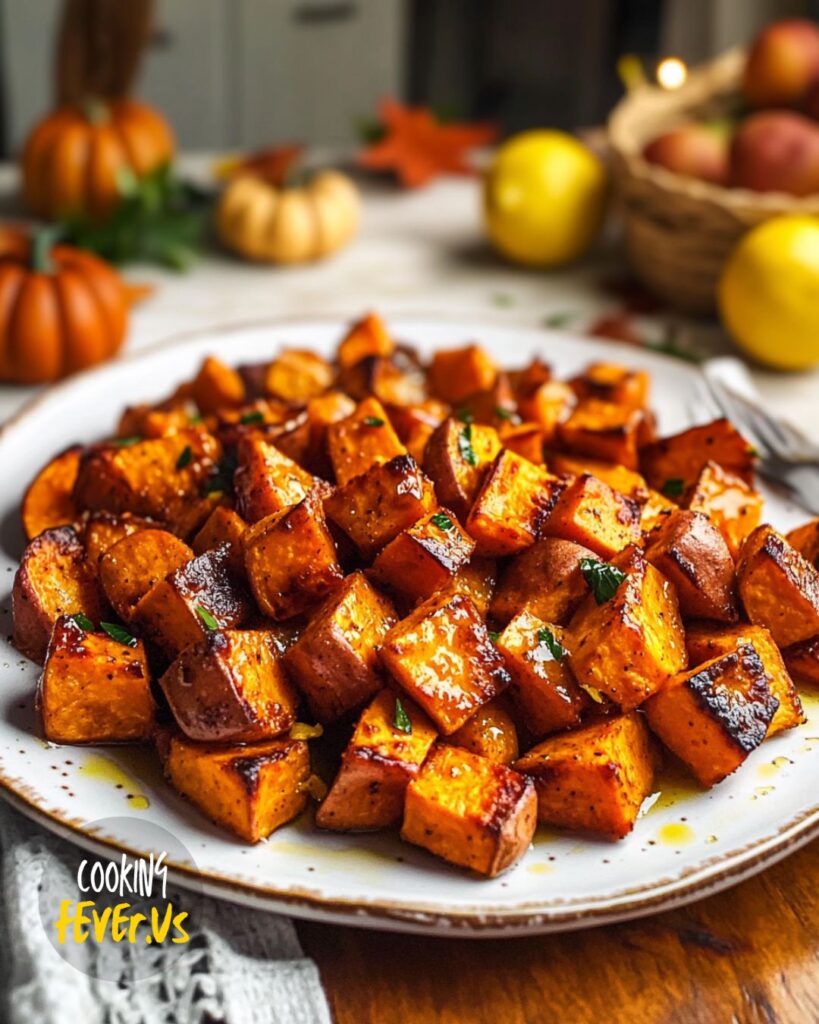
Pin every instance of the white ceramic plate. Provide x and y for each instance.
(688, 844)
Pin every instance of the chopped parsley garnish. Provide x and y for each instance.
(118, 633)
(85, 624)
(195, 420)
(126, 442)
(503, 413)
(547, 639)
(603, 579)
(185, 457)
(558, 319)
(673, 488)
(252, 417)
(208, 620)
(222, 477)
(401, 720)
(464, 415)
(373, 421)
(494, 635)
(465, 446)
(442, 521)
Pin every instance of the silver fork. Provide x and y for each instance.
(786, 456)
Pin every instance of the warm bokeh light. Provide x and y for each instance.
(671, 73)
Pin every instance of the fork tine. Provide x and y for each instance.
(739, 416)
(785, 441)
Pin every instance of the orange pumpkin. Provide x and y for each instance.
(61, 309)
(72, 158)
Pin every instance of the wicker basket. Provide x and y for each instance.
(680, 230)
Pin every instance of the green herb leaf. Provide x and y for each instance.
(603, 579)
(673, 488)
(126, 442)
(252, 417)
(547, 639)
(221, 480)
(373, 421)
(465, 446)
(464, 415)
(442, 521)
(493, 635)
(195, 420)
(185, 457)
(559, 319)
(505, 414)
(118, 633)
(85, 624)
(208, 620)
(401, 721)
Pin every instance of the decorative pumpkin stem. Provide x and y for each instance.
(95, 110)
(42, 243)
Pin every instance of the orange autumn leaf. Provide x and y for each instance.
(418, 147)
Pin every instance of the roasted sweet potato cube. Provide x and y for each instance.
(619, 478)
(372, 509)
(291, 560)
(731, 505)
(398, 379)
(297, 375)
(390, 742)
(705, 642)
(779, 589)
(217, 386)
(201, 595)
(152, 421)
(654, 511)
(470, 811)
(545, 578)
(548, 406)
(628, 646)
(456, 459)
(595, 778)
(223, 526)
(53, 579)
(477, 581)
(529, 378)
(266, 480)
(94, 689)
(680, 458)
(133, 565)
(231, 687)
(490, 733)
(457, 373)
(592, 514)
(692, 553)
(714, 716)
(334, 661)
(441, 655)
(512, 505)
(802, 660)
(162, 479)
(806, 541)
(543, 687)
(525, 439)
(364, 439)
(609, 382)
(102, 530)
(495, 406)
(251, 791)
(49, 498)
(425, 557)
(603, 430)
(367, 337)
(331, 407)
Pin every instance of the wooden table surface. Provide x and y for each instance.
(749, 955)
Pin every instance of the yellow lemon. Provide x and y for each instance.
(544, 198)
(769, 292)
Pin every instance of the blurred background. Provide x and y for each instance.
(247, 73)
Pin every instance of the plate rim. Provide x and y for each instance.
(554, 915)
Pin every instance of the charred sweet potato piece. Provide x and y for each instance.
(494, 406)
(680, 459)
(654, 511)
(201, 595)
(592, 514)
(457, 373)
(528, 379)
(297, 375)
(705, 642)
(609, 382)
(477, 581)
(691, 553)
(102, 530)
(367, 337)
(779, 589)
(545, 578)
(231, 687)
(441, 655)
(731, 505)
(595, 778)
(425, 557)
(363, 439)
(543, 687)
(512, 505)
(397, 379)
(49, 498)
(249, 790)
(94, 689)
(334, 662)
(291, 560)
(152, 421)
(223, 526)
(266, 480)
(162, 479)
(470, 811)
(415, 424)
(377, 766)
(806, 541)
(372, 509)
(548, 406)
(490, 733)
(603, 430)
(133, 565)
(456, 459)
(627, 646)
(217, 386)
(53, 579)
(802, 660)
(714, 716)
